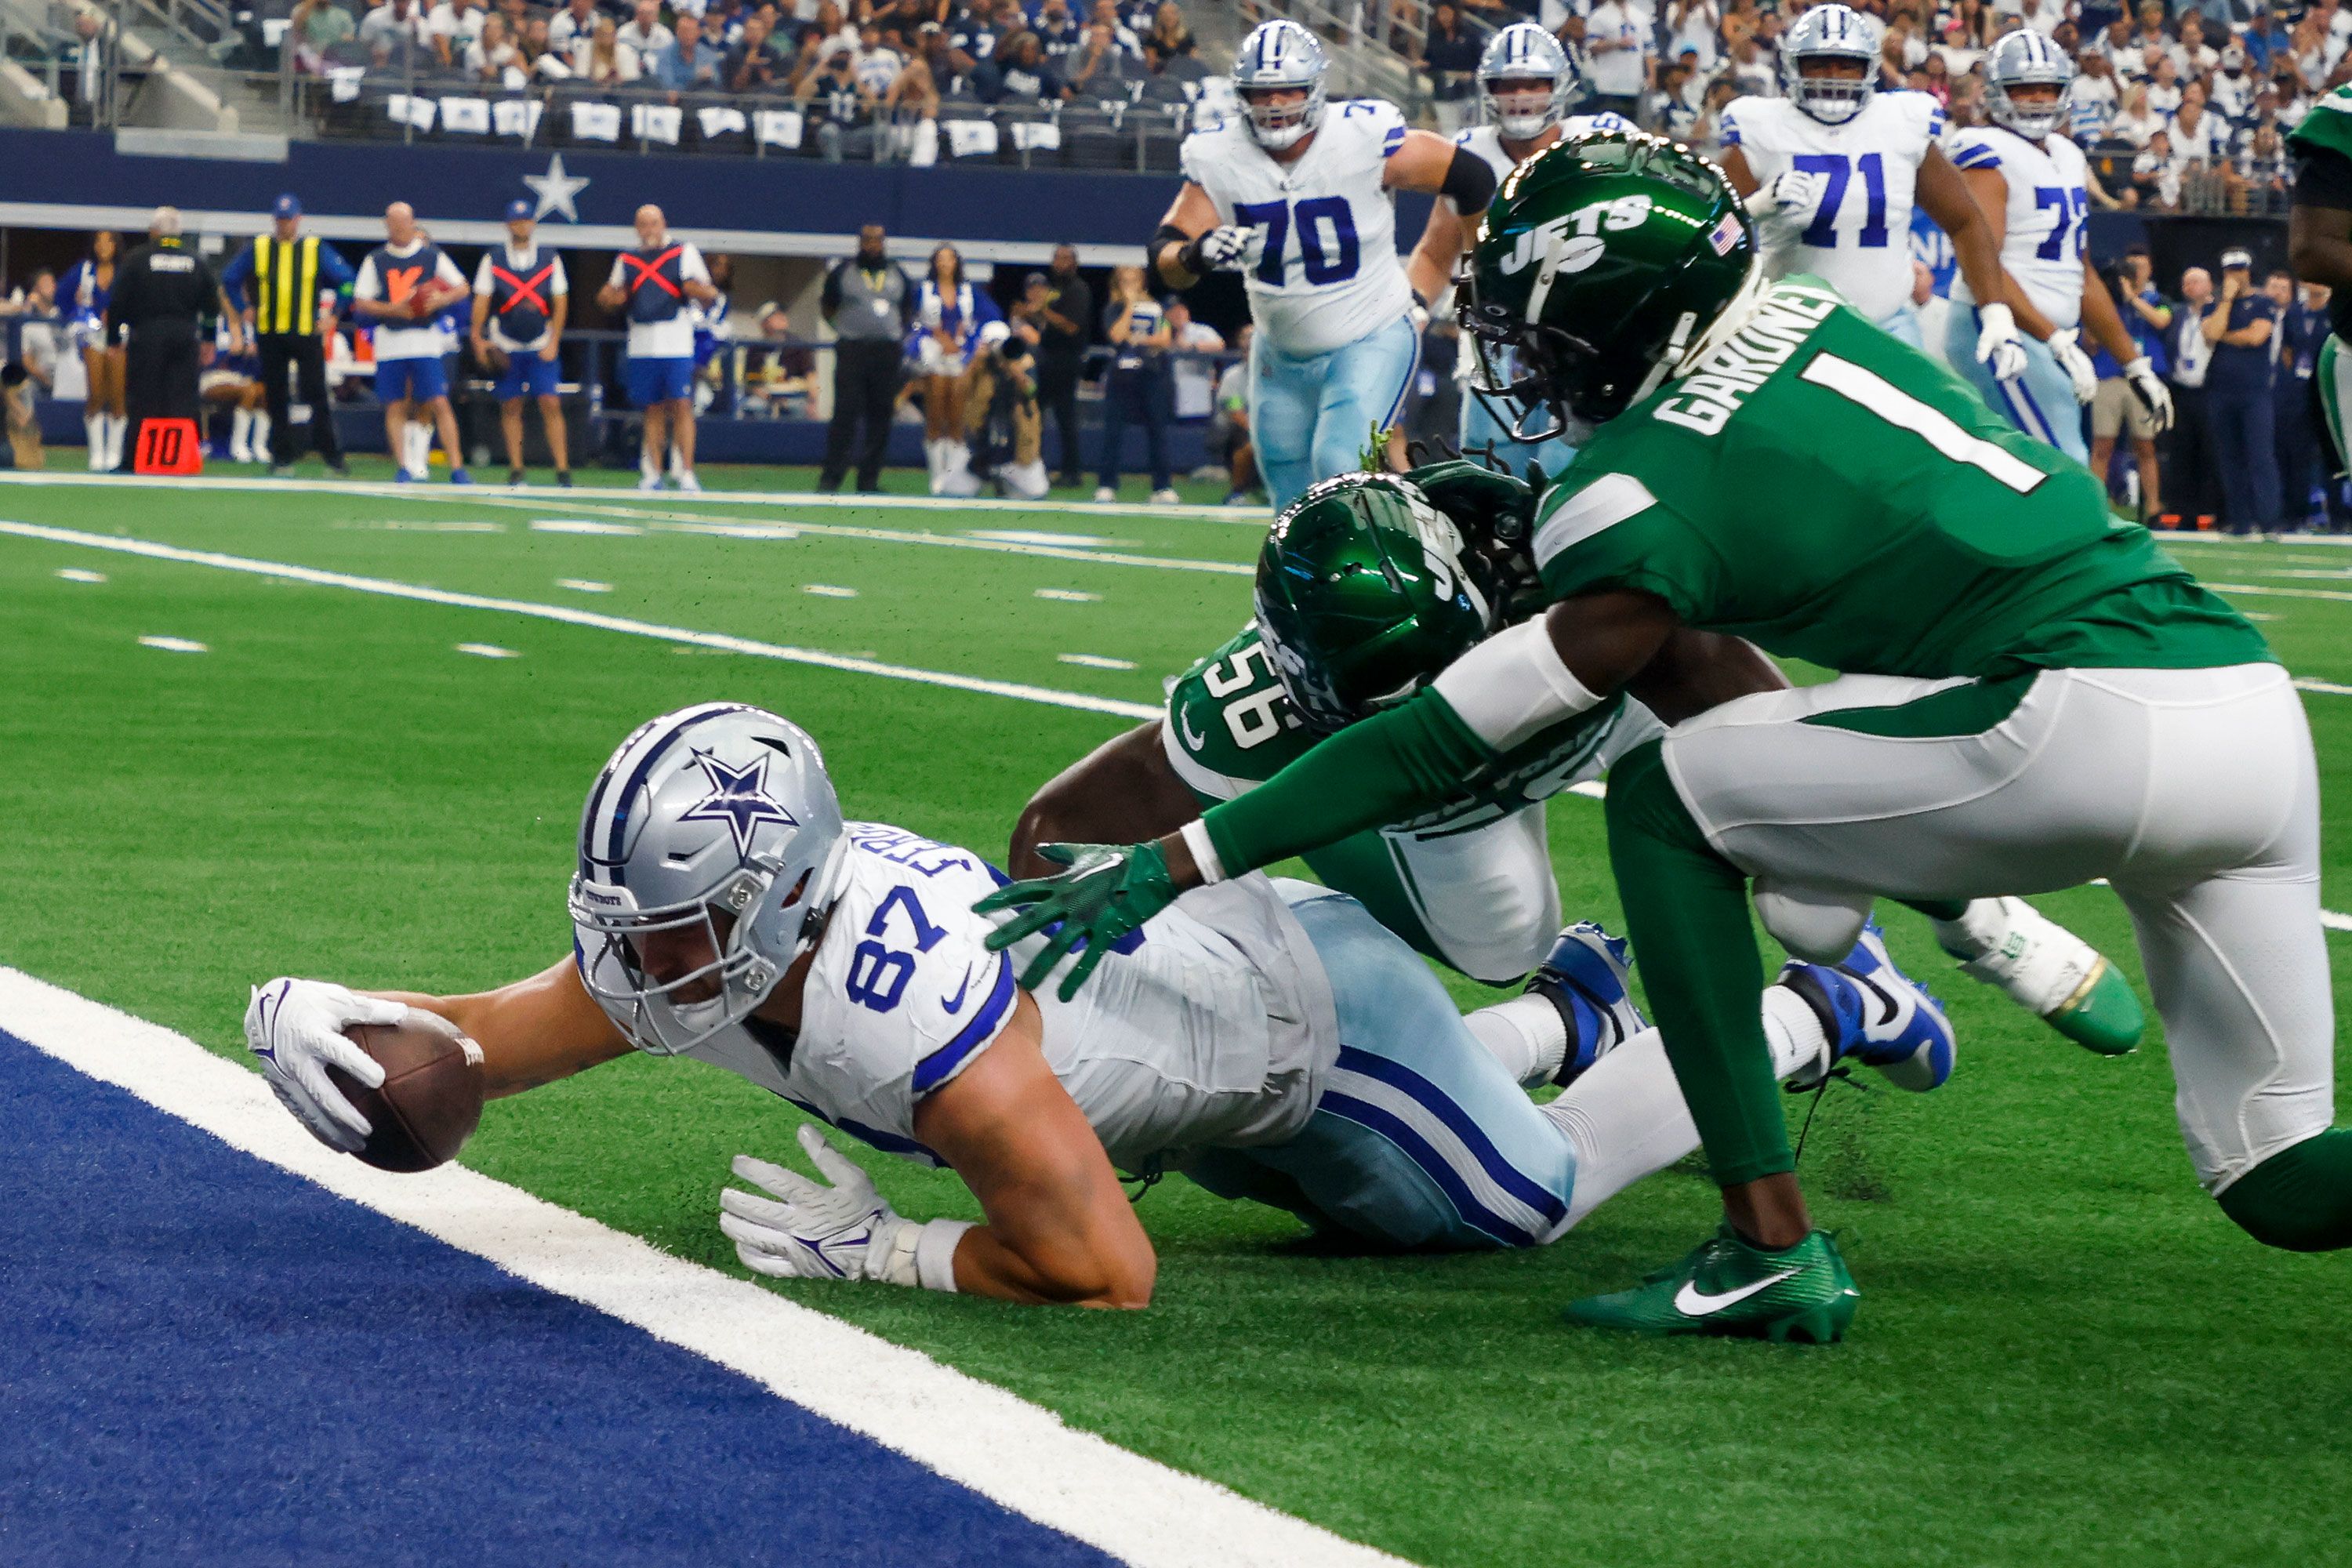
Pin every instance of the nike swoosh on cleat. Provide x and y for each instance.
(955, 1003)
(1893, 1009)
(1693, 1303)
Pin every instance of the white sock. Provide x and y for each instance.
(649, 465)
(260, 417)
(93, 426)
(416, 449)
(241, 431)
(677, 460)
(1626, 1119)
(118, 427)
(1526, 1034)
(1976, 933)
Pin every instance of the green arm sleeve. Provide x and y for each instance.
(1394, 764)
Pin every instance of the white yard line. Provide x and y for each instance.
(571, 616)
(1017, 1454)
(539, 495)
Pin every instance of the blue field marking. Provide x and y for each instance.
(208, 1360)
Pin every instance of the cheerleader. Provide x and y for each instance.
(86, 290)
(948, 314)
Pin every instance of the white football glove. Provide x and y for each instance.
(2074, 363)
(2149, 388)
(1793, 196)
(1999, 348)
(1222, 248)
(845, 1231)
(296, 1027)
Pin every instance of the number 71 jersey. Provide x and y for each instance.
(1321, 269)
(1859, 239)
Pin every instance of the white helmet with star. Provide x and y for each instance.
(718, 821)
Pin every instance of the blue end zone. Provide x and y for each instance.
(207, 1360)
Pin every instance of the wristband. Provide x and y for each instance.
(1212, 867)
(935, 1249)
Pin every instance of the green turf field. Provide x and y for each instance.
(2064, 1353)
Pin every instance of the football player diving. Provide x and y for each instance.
(1268, 1039)
(1298, 196)
(2030, 696)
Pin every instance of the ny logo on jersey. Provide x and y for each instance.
(740, 798)
(1581, 231)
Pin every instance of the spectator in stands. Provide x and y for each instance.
(455, 26)
(1182, 69)
(645, 32)
(606, 61)
(846, 129)
(1696, 26)
(2164, 92)
(1105, 13)
(2157, 175)
(2303, 327)
(2194, 55)
(1674, 110)
(876, 65)
(2196, 133)
(1065, 319)
(570, 28)
(2091, 98)
(2261, 39)
(1170, 30)
(1103, 64)
(316, 27)
(1450, 55)
(1134, 390)
(688, 63)
(867, 302)
(2232, 86)
(2258, 179)
(2189, 479)
(2135, 122)
(756, 64)
(492, 55)
(1059, 31)
(1023, 75)
(2238, 403)
(396, 26)
(949, 314)
(540, 59)
(2114, 410)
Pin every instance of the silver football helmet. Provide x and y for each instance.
(2026, 59)
(714, 829)
(1830, 33)
(1280, 55)
(1520, 56)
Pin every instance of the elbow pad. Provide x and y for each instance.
(1468, 181)
(1512, 685)
(1166, 234)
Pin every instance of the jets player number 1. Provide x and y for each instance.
(1296, 195)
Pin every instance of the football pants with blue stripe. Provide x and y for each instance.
(1311, 419)
(2040, 402)
(1423, 1139)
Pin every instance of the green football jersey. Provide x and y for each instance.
(2327, 128)
(1836, 496)
(1230, 726)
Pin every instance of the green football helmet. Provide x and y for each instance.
(1364, 592)
(1607, 262)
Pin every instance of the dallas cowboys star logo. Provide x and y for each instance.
(555, 190)
(740, 798)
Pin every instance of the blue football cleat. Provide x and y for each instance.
(1877, 1015)
(1584, 977)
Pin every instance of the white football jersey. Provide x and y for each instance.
(1859, 240)
(1322, 269)
(2048, 219)
(1212, 1025)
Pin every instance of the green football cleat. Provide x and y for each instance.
(2054, 974)
(1727, 1287)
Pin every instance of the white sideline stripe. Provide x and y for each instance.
(1250, 515)
(1593, 789)
(2280, 593)
(981, 1437)
(570, 615)
(173, 645)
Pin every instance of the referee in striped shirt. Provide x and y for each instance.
(273, 287)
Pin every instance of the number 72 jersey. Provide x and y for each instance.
(1321, 269)
(1858, 239)
(2048, 217)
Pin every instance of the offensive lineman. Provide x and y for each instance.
(2028, 181)
(2031, 695)
(1297, 195)
(1267, 1039)
(1525, 86)
(1366, 589)
(1831, 171)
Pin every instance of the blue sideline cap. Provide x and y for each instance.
(518, 209)
(288, 205)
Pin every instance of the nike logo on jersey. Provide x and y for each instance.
(1693, 1303)
(1194, 740)
(955, 1003)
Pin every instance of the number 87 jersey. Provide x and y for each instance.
(1322, 269)
(1858, 239)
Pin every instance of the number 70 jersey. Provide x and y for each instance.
(1321, 269)
(1858, 240)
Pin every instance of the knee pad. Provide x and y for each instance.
(1816, 924)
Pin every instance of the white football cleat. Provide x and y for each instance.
(687, 482)
(1165, 497)
(2047, 970)
(1105, 495)
(649, 480)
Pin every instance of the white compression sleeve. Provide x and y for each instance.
(1512, 685)
(1626, 1119)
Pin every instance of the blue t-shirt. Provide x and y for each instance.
(2243, 367)
(2302, 331)
(2150, 339)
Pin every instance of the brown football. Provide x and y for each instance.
(432, 1095)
